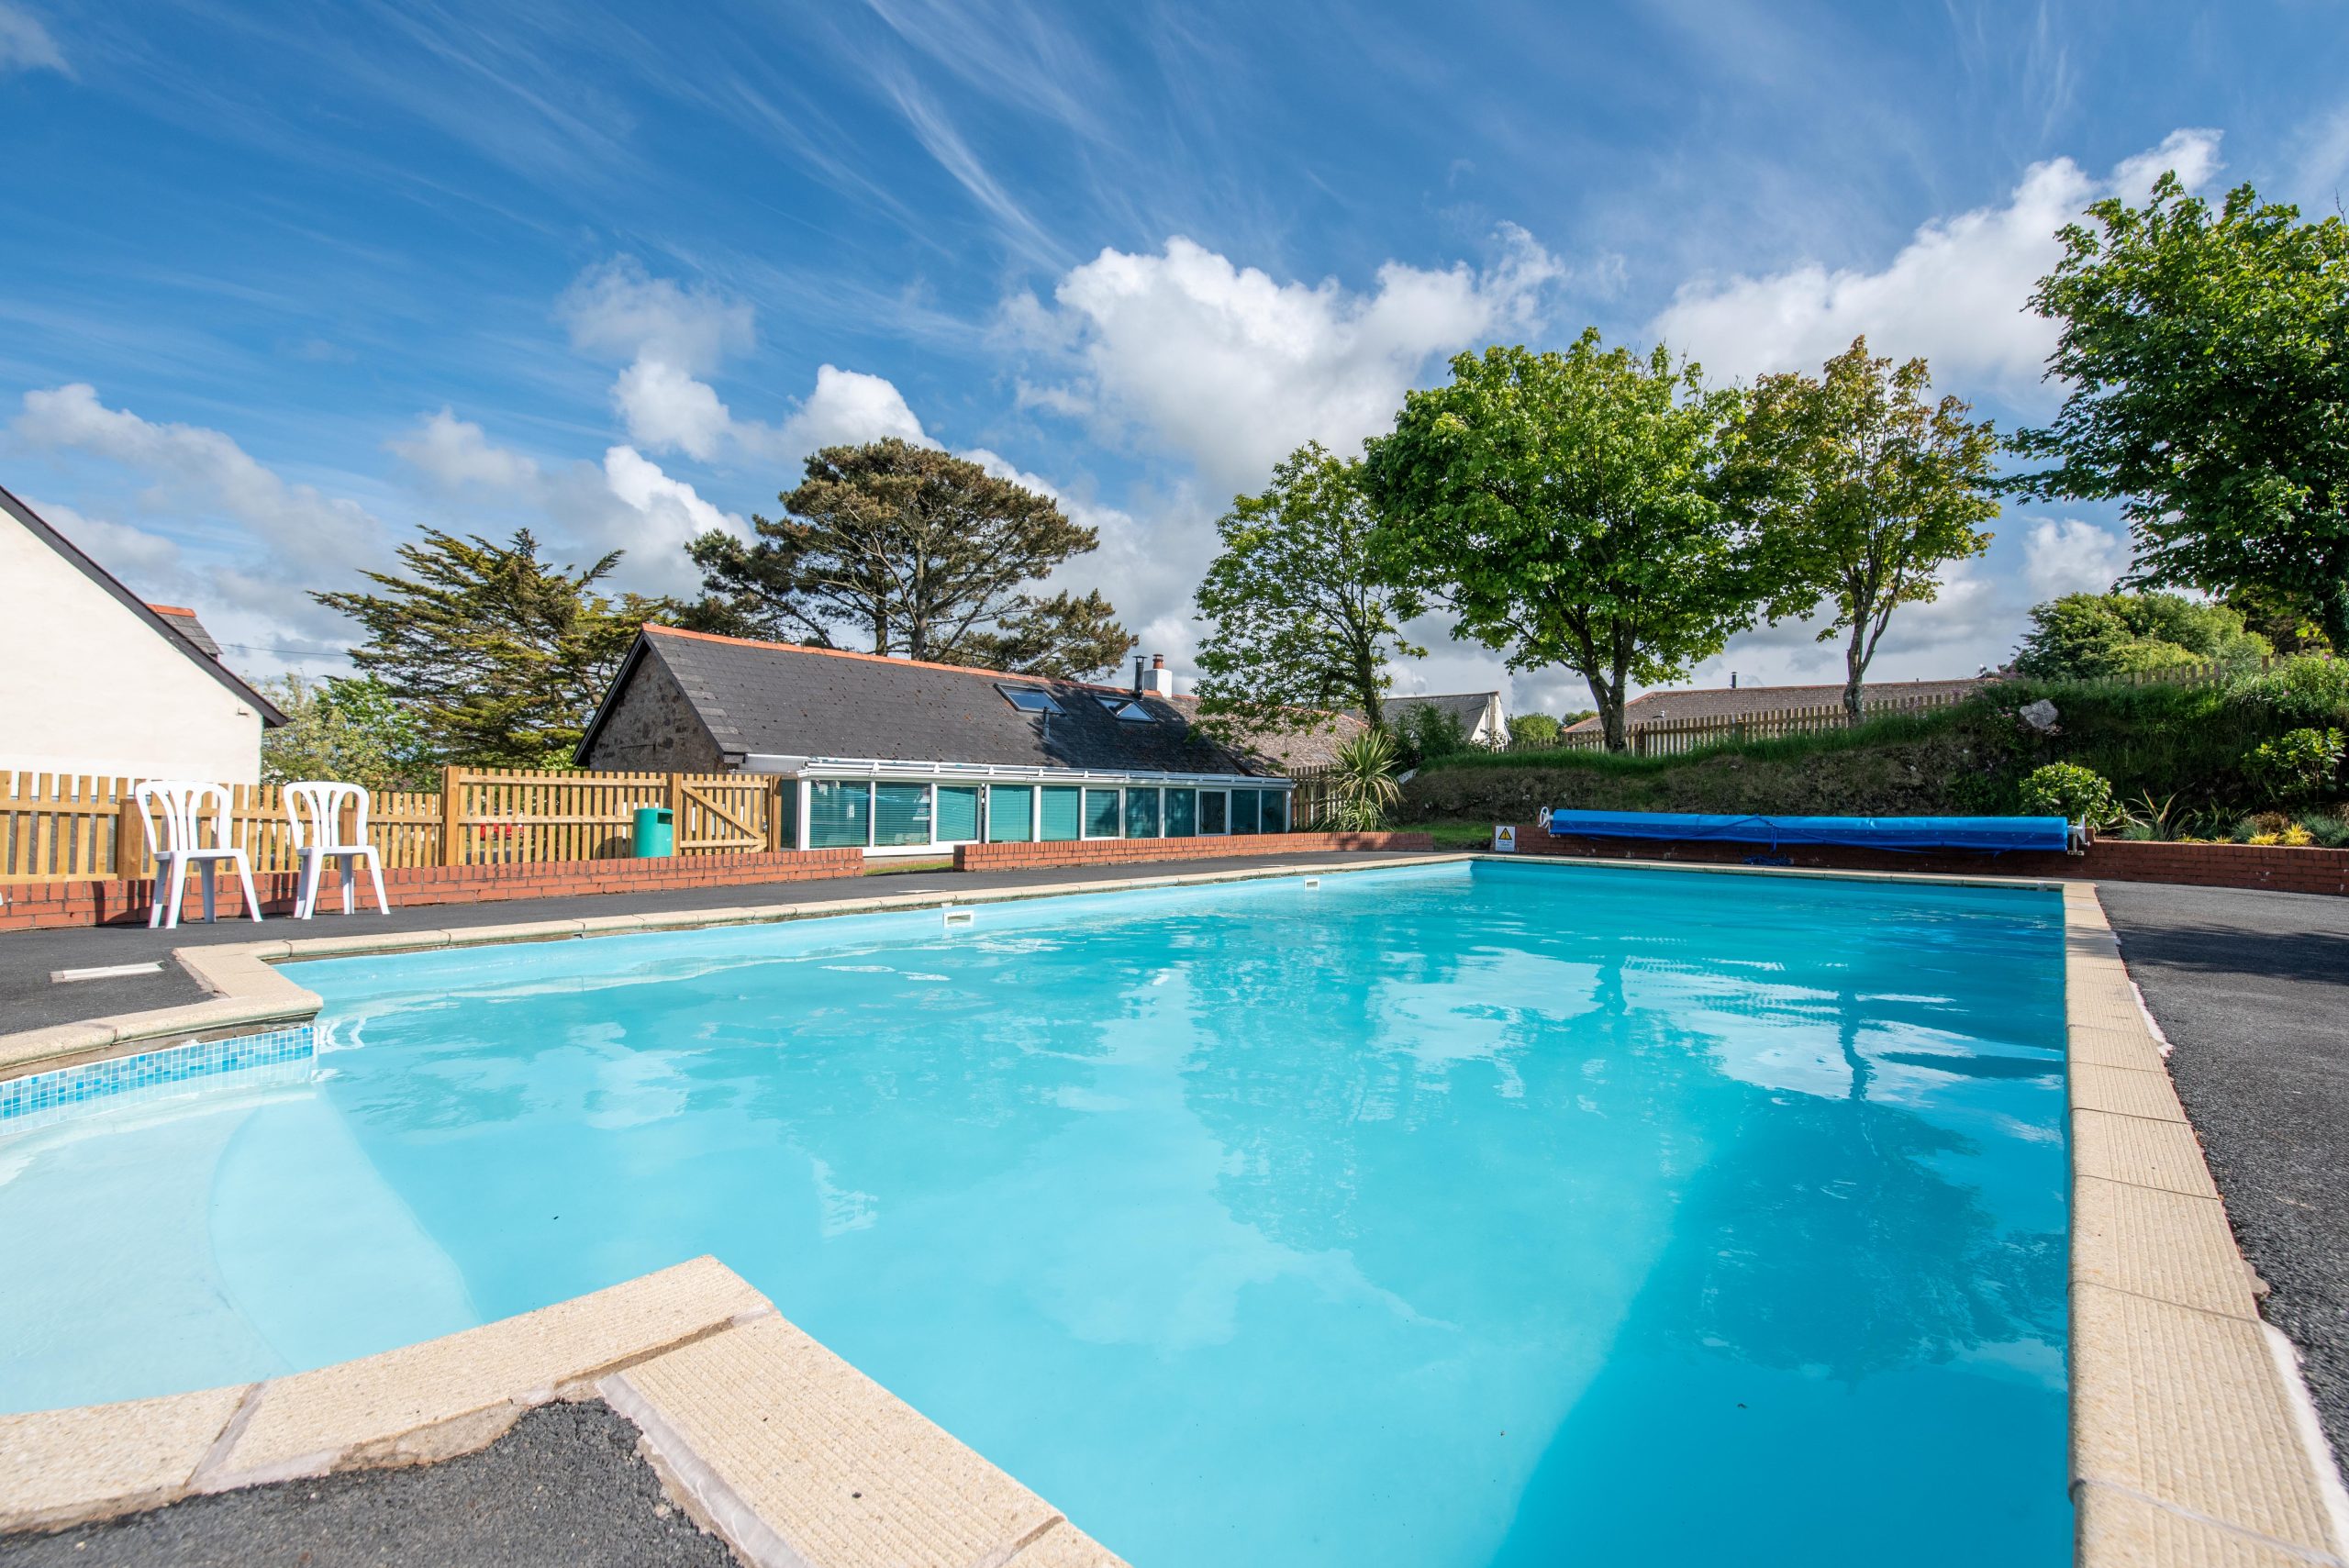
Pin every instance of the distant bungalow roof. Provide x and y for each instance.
(786, 699)
(182, 620)
(1744, 701)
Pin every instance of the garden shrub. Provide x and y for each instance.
(2312, 689)
(2296, 764)
(2067, 790)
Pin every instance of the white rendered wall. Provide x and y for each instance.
(88, 688)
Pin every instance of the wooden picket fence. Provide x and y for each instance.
(64, 826)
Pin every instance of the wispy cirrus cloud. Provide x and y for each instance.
(25, 44)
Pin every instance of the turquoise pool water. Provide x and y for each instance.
(1520, 1215)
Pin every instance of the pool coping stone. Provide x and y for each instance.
(2192, 1441)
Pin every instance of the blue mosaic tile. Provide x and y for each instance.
(47, 1096)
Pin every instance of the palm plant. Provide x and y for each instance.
(1363, 790)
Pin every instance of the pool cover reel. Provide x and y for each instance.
(1987, 835)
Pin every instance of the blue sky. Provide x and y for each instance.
(279, 283)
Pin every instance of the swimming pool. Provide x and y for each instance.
(1445, 1215)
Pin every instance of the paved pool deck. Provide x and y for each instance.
(2251, 990)
(565, 1487)
(29, 1000)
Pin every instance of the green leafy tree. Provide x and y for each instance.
(2208, 358)
(1862, 488)
(1533, 729)
(2084, 636)
(1563, 507)
(910, 549)
(347, 730)
(499, 655)
(1300, 620)
(1427, 734)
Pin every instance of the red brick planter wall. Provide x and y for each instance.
(1125, 851)
(40, 905)
(2272, 867)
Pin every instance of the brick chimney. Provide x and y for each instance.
(1159, 681)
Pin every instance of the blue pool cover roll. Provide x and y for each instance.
(1988, 834)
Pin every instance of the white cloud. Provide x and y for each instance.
(619, 310)
(189, 465)
(580, 509)
(1225, 366)
(25, 44)
(145, 563)
(667, 512)
(1954, 294)
(669, 410)
(847, 406)
(454, 452)
(2072, 557)
(673, 337)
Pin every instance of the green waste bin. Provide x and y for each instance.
(656, 832)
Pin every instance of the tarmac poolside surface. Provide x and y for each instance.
(563, 1489)
(2252, 991)
(29, 1000)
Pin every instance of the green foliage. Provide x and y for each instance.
(497, 655)
(915, 551)
(2208, 358)
(1862, 488)
(1534, 730)
(346, 731)
(2182, 745)
(1364, 791)
(1299, 621)
(1429, 734)
(2083, 637)
(2310, 689)
(2326, 830)
(2296, 764)
(2066, 790)
(1563, 507)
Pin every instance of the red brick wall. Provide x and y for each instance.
(2272, 867)
(41, 905)
(1128, 851)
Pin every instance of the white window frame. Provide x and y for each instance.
(1200, 821)
(1085, 833)
(1035, 798)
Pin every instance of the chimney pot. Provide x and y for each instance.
(1160, 682)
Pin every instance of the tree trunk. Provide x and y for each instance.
(1855, 669)
(1607, 698)
(1366, 688)
(2333, 611)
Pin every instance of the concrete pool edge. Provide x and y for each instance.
(765, 1437)
(2190, 1439)
(2188, 1444)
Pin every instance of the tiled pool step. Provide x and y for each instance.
(39, 1098)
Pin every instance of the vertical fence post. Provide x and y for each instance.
(778, 830)
(452, 817)
(677, 814)
(129, 833)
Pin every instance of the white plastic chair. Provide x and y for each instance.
(174, 813)
(315, 812)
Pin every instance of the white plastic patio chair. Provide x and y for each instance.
(188, 824)
(315, 812)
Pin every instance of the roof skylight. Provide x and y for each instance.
(1029, 699)
(1128, 709)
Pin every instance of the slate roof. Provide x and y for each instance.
(782, 699)
(1743, 702)
(1288, 751)
(163, 626)
(184, 621)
